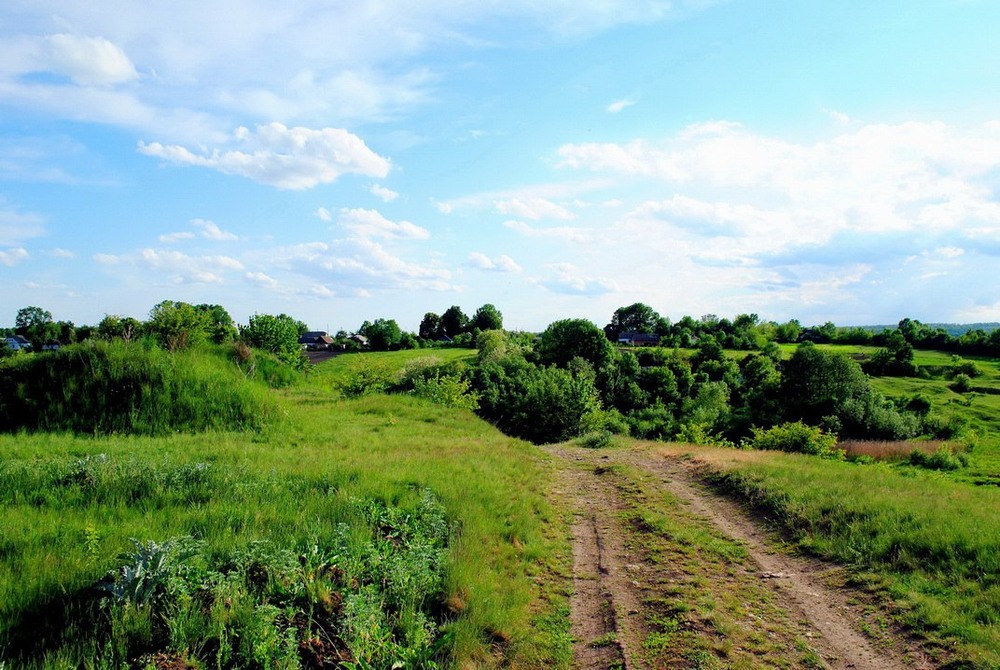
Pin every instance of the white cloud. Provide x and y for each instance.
(174, 266)
(62, 253)
(502, 263)
(567, 279)
(387, 194)
(11, 257)
(87, 60)
(262, 280)
(563, 233)
(533, 208)
(324, 214)
(170, 238)
(618, 105)
(211, 231)
(369, 223)
(16, 226)
(288, 158)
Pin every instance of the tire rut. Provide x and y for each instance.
(607, 603)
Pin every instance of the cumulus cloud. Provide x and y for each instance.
(502, 263)
(324, 214)
(563, 233)
(533, 208)
(87, 60)
(369, 223)
(211, 231)
(386, 194)
(618, 105)
(262, 280)
(174, 266)
(17, 226)
(11, 257)
(288, 158)
(567, 279)
(357, 266)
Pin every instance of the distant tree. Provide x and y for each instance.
(454, 321)
(276, 334)
(113, 327)
(382, 334)
(487, 317)
(567, 339)
(636, 318)
(178, 325)
(430, 327)
(35, 324)
(221, 327)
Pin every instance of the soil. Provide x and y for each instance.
(615, 585)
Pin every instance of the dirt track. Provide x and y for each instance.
(808, 623)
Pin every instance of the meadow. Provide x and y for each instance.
(370, 532)
(327, 523)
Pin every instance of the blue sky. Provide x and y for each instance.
(344, 161)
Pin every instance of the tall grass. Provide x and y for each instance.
(338, 477)
(115, 387)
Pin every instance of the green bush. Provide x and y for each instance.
(942, 459)
(962, 383)
(795, 437)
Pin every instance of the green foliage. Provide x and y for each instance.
(367, 375)
(454, 322)
(962, 383)
(114, 387)
(278, 335)
(113, 326)
(565, 340)
(178, 325)
(942, 459)
(795, 437)
(447, 390)
(487, 317)
(636, 318)
(382, 334)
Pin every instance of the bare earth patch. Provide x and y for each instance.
(669, 574)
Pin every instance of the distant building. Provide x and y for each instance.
(317, 340)
(639, 339)
(17, 343)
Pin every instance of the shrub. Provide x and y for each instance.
(795, 437)
(942, 459)
(962, 383)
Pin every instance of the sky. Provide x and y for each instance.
(345, 161)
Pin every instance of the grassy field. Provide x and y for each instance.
(380, 529)
(925, 541)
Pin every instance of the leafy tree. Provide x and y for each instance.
(487, 317)
(221, 327)
(382, 334)
(430, 327)
(178, 325)
(636, 318)
(454, 321)
(113, 327)
(276, 334)
(567, 339)
(35, 324)
(788, 332)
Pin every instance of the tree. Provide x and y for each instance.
(113, 326)
(567, 339)
(430, 327)
(35, 324)
(221, 327)
(29, 318)
(636, 318)
(178, 325)
(382, 334)
(454, 321)
(487, 317)
(276, 334)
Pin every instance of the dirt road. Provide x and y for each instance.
(668, 574)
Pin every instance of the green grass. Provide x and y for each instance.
(70, 507)
(928, 541)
